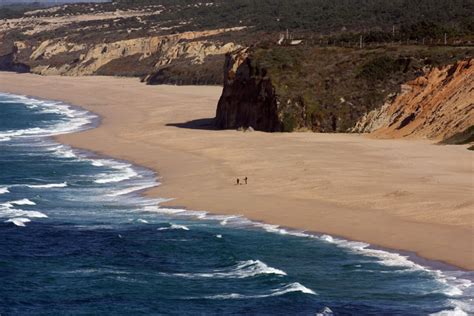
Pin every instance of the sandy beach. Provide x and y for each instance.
(407, 195)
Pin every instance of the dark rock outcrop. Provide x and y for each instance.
(248, 98)
(8, 63)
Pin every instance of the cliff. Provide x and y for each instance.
(101, 39)
(437, 105)
(138, 56)
(280, 88)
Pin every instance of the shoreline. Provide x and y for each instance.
(214, 175)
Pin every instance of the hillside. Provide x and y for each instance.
(329, 89)
(335, 61)
(71, 36)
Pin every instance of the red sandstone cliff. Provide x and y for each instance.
(436, 106)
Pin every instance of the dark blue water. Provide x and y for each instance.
(77, 238)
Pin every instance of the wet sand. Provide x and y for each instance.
(407, 195)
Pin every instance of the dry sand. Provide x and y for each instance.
(408, 195)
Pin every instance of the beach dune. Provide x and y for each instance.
(407, 195)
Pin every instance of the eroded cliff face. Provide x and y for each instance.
(248, 98)
(101, 39)
(50, 57)
(436, 105)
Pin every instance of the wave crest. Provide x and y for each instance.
(19, 221)
(47, 186)
(4, 190)
(174, 226)
(244, 269)
(290, 288)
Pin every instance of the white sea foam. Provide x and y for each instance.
(96, 271)
(97, 163)
(293, 287)
(19, 221)
(76, 119)
(94, 227)
(327, 238)
(219, 236)
(277, 229)
(64, 152)
(195, 214)
(326, 311)
(144, 221)
(22, 202)
(8, 210)
(225, 219)
(177, 212)
(243, 269)
(454, 312)
(132, 189)
(110, 178)
(383, 257)
(162, 210)
(4, 190)
(34, 214)
(124, 172)
(174, 226)
(214, 217)
(47, 186)
(255, 267)
(23, 213)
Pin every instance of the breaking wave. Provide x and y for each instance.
(19, 221)
(76, 119)
(290, 288)
(174, 226)
(47, 186)
(243, 269)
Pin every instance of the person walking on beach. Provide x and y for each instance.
(245, 179)
(238, 181)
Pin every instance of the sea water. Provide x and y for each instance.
(76, 237)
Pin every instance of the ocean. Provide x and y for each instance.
(76, 237)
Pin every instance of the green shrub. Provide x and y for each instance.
(379, 68)
(289, 122)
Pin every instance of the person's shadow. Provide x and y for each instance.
(206, 124)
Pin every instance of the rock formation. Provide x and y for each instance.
(8, 62)
(248, 98)
(436, 105)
